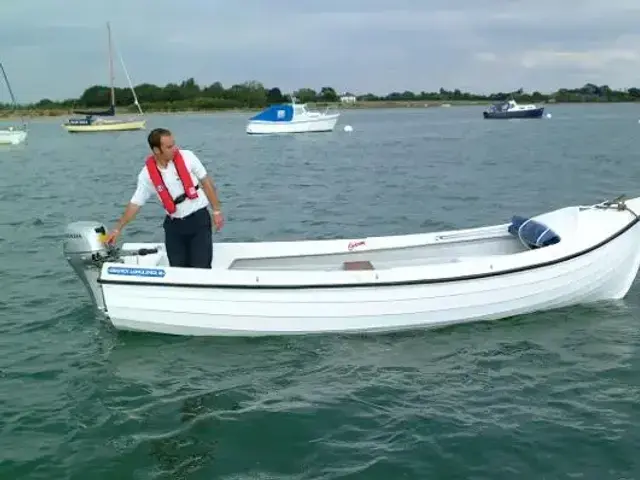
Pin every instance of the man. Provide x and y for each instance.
(179, 179)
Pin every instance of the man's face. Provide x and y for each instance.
(167, 147)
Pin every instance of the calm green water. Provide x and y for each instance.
(546, 396)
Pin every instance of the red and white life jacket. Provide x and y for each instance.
(156, 178)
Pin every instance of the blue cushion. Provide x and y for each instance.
(533, 233)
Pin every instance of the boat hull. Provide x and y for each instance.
(429, 280)
(106, 126)
(325, 124)
(12, 137)
(529, 113)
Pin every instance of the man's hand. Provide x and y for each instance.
(112, 236)
(218, 219)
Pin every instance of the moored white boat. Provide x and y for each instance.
(12, 135)
(291, 118)
(569, 256)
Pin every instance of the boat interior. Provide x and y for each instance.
(439, 248)
(520, 235)
(384, 258)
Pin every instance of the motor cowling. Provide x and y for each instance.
(85, 250)
(85, 239)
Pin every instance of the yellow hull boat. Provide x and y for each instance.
(105, 126)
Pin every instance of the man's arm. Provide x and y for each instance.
(205, 181)
(138, 199)
(129, 214)
(210, 191)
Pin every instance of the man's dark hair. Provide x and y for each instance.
(155, 135)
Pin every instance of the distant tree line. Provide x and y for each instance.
(188, 95)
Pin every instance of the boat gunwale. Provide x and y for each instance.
(376, 284)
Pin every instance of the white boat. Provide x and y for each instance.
(573, 255)
(12, 135)
(107, 120)
(291, 118)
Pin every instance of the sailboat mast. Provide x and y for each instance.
(111, 74)
(133, 90)
(6, 79)
(13, 98)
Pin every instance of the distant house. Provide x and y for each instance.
(348, 98)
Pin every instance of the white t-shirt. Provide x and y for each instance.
(145, 188)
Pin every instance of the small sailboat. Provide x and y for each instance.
(12, 135)
(106, 120)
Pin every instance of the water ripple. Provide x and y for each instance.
(539, 396)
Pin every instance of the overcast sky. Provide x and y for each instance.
(57, 48)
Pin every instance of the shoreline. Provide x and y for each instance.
(363, 105)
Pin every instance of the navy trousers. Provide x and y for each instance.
(189, 240)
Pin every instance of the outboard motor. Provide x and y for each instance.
(85, 250)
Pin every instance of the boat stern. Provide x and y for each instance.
(85, 251)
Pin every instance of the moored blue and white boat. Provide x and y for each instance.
(291, 118)
(511, 109)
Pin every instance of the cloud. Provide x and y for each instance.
(589, 61)
(360, 45)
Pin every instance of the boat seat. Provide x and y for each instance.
(358, 265)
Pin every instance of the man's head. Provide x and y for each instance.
(162, 144)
